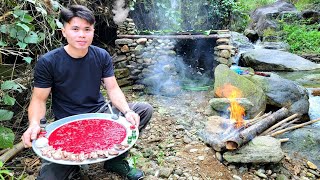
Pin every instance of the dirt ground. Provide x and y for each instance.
(169, 147)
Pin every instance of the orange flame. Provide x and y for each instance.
(237, 112)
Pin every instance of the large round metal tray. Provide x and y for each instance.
(51, 127)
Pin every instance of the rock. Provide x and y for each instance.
(281, 177)
(221, 104)
(282, 92)
(261, 149)
(165, 172)
(235, 177)
(120, 58)
(142, 41)
(311, 165)
(121, 73)
(303, 141)
(260, 174)
(219, 156)
(123, 41)
(240, 41)
(225, 76)
(265, 60)
(266, 17)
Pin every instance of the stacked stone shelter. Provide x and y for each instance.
(144, 60)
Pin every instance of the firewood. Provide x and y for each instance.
(284, 125)
(252, 131)
(256, 119)
(294, 127)
(284, 140)
(279, 123)
(12, 152)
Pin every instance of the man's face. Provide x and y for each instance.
(79, 33)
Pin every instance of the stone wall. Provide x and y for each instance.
(148, 60)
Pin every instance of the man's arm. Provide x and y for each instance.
(119, 101)
(36, 111)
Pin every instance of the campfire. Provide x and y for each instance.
(237, 112)
(233, 132)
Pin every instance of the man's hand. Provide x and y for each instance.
(133, 118)
(30, 134)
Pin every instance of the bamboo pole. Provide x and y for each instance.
(294, 127)
(12, 152)
(279, 123)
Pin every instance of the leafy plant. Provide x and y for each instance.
(6, 99)
(302, 38)
(4, 172)
(160, 157)
(21, 30)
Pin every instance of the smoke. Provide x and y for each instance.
(120, 13)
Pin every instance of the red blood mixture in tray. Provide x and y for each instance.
(87, 135)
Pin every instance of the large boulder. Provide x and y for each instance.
(305, 142)
(255, 94)
(282, 92)
(265, 17)
(275, 60)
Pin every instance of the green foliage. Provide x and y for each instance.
(6, 137)
(6, 89)
(302, 38)
(4, 172)
(183, 15)
(306, 4)
(26, 24)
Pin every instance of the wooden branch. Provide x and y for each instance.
(279, 123)
(5, 15)
(256, 119)
(252, 131)
(284, 140)
(284, 126)
(198, 36)
(294, 127)
(12, 152)
(3, 151)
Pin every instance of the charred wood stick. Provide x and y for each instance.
(294, 127)
(12, 152)
(284, 126)
(279, 123)
(252, 131)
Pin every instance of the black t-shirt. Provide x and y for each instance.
(75, 82)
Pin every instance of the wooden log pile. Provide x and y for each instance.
(221, 135)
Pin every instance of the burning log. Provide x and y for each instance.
(245, 135)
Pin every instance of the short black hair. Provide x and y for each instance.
(77, 11)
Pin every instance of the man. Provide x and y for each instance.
(73, 74)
